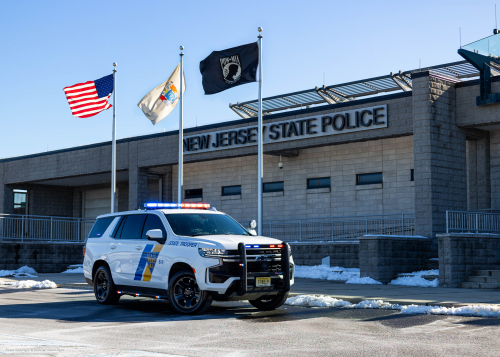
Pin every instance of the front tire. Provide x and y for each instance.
(270, 302)
(104, 287)
(185, 295)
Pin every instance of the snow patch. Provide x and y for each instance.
(415, 279)
(325, 272)
(30, 284)
(23, 271)
(328, 301)
(366, 280)
(76, 270)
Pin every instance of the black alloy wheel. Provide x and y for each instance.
(271, 302)
(185, 295)
(104, 288)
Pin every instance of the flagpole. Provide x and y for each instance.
(181, 136)
(260, 221)
(113, 144)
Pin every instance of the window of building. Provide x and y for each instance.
(153, 222)
(100, 227)
(412, 175)
(273, 186)
(231, 190)
(369, 179)
(154, 188)
(194, 193)
(131, 227)
(323, 182)
(20, 202)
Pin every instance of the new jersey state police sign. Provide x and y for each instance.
(369, 118)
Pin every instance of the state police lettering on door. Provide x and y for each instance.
(302, 128)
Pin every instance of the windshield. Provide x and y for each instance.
(203, 224)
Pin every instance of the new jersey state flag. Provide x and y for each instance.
(158, 103)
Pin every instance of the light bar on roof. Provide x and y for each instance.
(177, 205)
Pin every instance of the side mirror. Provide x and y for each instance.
(253, 224)
(156, 235)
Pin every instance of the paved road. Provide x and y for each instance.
(68, 322)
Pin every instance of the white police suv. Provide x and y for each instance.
(186, 254)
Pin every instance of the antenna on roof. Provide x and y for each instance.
(460, 36)
(495, 30)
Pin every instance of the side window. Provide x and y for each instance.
(132, 227)
(153, 222)
(100, 227)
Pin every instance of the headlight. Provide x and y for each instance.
(207, 252)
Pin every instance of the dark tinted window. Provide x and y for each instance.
(412, 175)
(203, 224)
(323, 182)
(368, 179)
(132, 227)
(195, 193)
(273, 186)
(231, 190)
(153, 222)
(100, 227)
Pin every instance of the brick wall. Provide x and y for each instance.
(439, 154)
(393, 157)
(344, 255)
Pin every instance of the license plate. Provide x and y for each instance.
(262, 282)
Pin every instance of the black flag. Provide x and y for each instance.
(230, 68)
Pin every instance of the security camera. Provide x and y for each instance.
(280, 165)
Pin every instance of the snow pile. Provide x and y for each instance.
(366, 280)
(470, 310)
(325, 272)
(23, 271)
(317, 301)
(417, 280)
(76, 270)
(30, 284)
(328, 301)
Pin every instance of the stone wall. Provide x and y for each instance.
(341, 254)
(439, 154)
(41, 256)
(393, 157)
(383, 257)
(462, 253)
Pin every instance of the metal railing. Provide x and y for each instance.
(472, 222)
(44, 228)
(337, 228)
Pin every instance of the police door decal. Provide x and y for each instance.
(147, 262)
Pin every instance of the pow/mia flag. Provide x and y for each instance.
(230, 68)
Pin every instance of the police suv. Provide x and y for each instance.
(187, 254)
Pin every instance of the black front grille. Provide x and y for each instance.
(233, 268)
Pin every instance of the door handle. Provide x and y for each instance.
(112, 247)
(139, 247)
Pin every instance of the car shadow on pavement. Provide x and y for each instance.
(399, 320)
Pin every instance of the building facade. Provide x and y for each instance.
(424, 150)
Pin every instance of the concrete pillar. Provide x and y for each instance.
(166, 191)
(478, 173)
(495, 169)
(439, 148)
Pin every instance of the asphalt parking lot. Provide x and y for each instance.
(68, 322)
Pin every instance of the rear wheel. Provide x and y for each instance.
(272, 302)
(104, 288)
(185, 295)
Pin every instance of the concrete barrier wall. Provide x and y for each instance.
(384, 257)
(460, 254)
(341, 254)
(44, 257)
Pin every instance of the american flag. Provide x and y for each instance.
(90, 98)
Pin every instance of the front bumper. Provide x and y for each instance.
(239, 275)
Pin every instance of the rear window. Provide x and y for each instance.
(100, 227)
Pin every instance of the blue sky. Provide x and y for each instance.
(48, 45)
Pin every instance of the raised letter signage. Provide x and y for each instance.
(295, 129)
